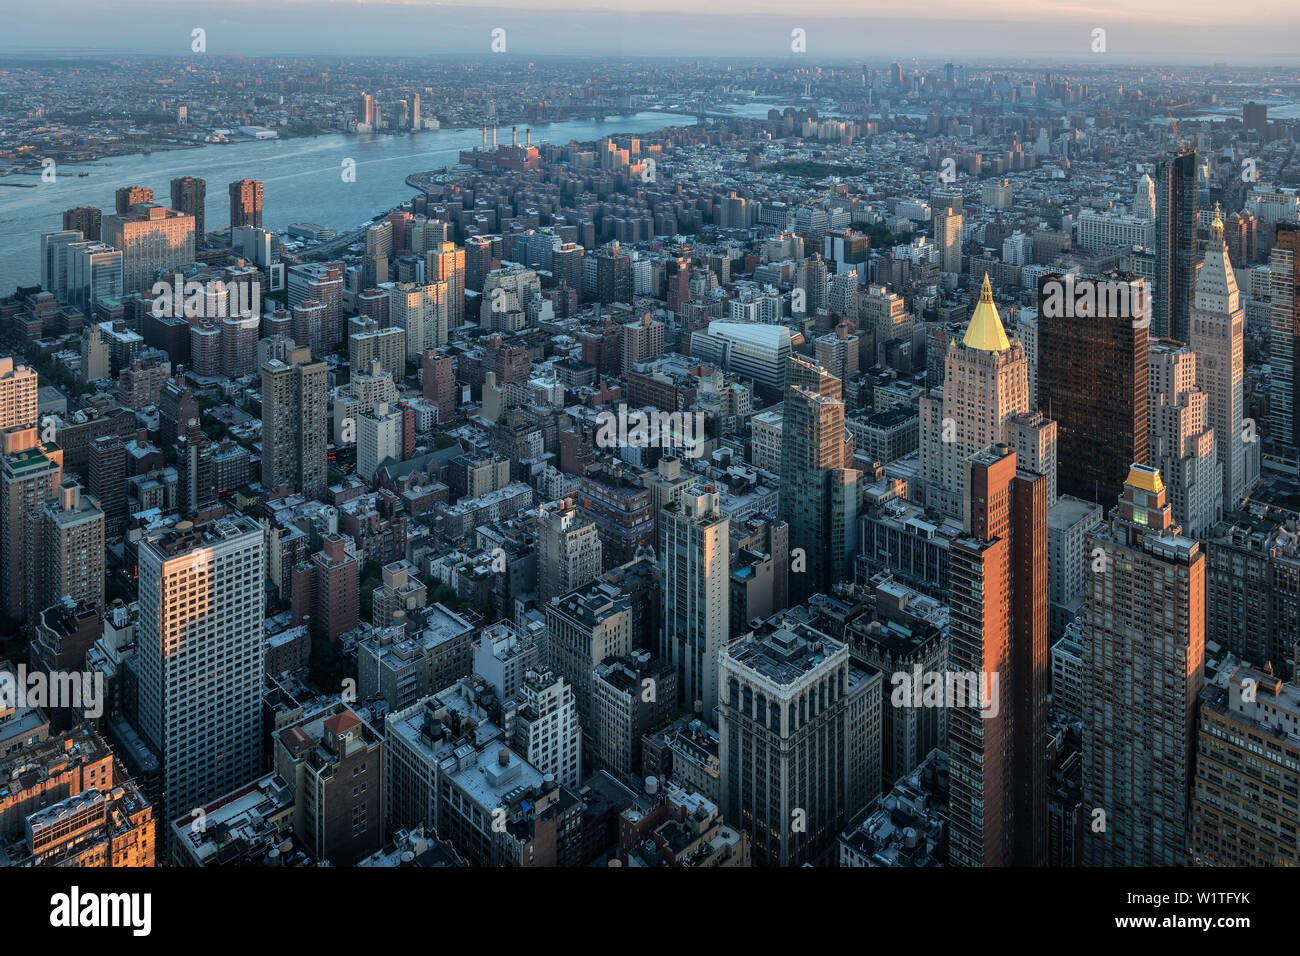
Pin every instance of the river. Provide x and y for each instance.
(302, 176)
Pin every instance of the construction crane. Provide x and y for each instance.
(1182, 147)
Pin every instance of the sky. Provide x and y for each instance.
(1248, 32)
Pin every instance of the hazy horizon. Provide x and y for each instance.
(1157, 32)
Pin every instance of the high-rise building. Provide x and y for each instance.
(1181, 442)
(445, 262)
(69, 561)
(947, 237)
(196, 484)
(84, 219)
(1284, 337)
(642, 340)
(94, 274)
(799, 740)
(153, 240)
(696, 560)
(1242, 813)
(631, 696)
(1175, 246)
(568, 551)
(1143, 647)
(295, 412)
(326, 588)
(837, 352)
(438, 383)
(811, 280)
(1217, 336)
(613, 275)
(128, 196)
(379, 438)
(319, 282)
(246, 203)
(55, 253)
(107, 480)
(200, 651)
(1144, 198)
(188, 196)
(367, 342)
(541, 723)
(30, 472)
(999, 647)
(18, 395)
(1092, 379)
(667, 485)
(819, 485)
(985, 386)
(366, 111)
(422, 311)
(583, 628)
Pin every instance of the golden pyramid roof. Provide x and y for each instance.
(1146, 478)
(985, 331)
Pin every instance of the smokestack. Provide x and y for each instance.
(494, 135)
(528, 137)
(485, 135)
(514, 136)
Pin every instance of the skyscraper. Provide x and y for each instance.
(200, 657)
(54, 260)
(798, 740)
(1143, 640)
(295, 408)
(1092, 379)
(107, 473)
(1217, 336)
(985, 387)
(246, 203)
(1181, 440)
(999, 649)
(696, 610)
(819, 485)
(188, 196)
(947, 237)
(446, 263)
(1175, 246)
(1284, 337)
(30, 472)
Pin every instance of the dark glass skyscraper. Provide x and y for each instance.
(1175, 246)
(1092, 379)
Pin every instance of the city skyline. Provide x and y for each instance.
(538, 451)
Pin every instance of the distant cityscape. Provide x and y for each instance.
(635, 462)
